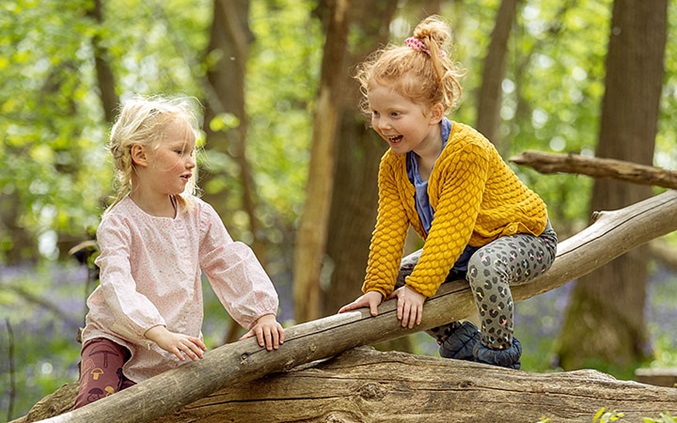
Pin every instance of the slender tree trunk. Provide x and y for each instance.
(229, 45)
(309, 255)
(353, 211)
(490, 94)
(19, 244)
(228, 49)
(605, 318)
(104, 73)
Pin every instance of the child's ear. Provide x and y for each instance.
(436, 113)
(138, 154)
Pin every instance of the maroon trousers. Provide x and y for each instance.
(101, 370)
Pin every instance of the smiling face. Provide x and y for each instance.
(404, 125)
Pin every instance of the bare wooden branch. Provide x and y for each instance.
(597, 167)
(364, 385)
(613, 234)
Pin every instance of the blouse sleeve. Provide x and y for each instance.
(133, 313)
(234, 272)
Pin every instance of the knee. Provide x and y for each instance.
(483, 267)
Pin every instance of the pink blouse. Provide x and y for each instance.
(150, 273)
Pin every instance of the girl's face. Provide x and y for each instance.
(173, 162)
(406, 126)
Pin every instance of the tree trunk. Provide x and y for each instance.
(359, 149)
(229, 44)
(363, 385)
(605, 317)
(309, 254)
(104, 73)
(610, 236)
(490, 93)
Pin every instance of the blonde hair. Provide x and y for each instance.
(425, 73)
(143, 121)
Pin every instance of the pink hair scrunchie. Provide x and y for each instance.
(418, 45)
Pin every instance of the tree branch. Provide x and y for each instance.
(363, 385)
(611, 235)
(597, 167)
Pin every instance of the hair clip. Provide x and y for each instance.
(417, 44)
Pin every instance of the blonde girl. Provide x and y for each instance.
(156, 239)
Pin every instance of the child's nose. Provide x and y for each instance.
(383, 124)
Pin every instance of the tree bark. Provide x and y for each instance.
(490, 93)
(611, 235)
(365, 385)
(104, 73)
(229, 44)
(600, 325)
(597, 168)
(309, 255)
(355, 193)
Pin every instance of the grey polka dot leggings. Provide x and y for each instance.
(492, 269)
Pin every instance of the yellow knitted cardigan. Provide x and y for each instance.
(476, 198)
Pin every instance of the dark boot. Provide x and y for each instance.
(509, 358)
(460, 341)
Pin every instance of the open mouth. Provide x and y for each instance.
(395, 139)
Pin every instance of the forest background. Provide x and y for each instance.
(290, 164)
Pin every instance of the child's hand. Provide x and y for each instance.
(409, 306)
(178, 344)
(371, 299)
(268, 332)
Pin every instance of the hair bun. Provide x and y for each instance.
(433, 28)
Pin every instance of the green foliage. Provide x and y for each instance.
(663, 418)
(604, 416)
(283, 75)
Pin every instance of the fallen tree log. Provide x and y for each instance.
(364, 385)
(612, 234)
(597, 167)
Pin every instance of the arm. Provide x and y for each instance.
(387, 242)
(128, 312)
(386, 246)
(134, 316)
(239, 281)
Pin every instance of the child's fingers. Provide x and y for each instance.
(280, 331)
(269, 339)
(260, 337)
(348, 307)
(191, 350)
(247, 335)
(373, 309)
